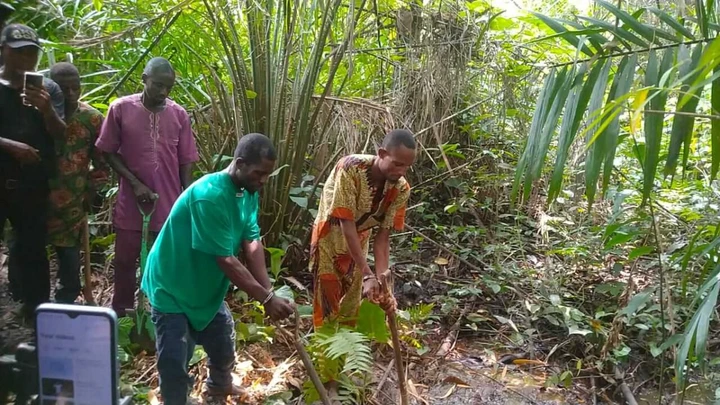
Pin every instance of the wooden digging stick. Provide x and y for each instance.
(396, 346)
(309, 367)
(87, 270)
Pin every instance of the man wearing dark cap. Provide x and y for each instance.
(27, 160)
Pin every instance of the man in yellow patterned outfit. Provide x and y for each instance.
(363, 192)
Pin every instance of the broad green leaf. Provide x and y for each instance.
(610, 135)
(574, 107)
(671, 341)
(696, 331)
(563, 85)
(371, 322)
(683, 125)
(618, 239)
(640, 251)
(637, 301)
(648, 32)
(653, 123)
(618, 31)
(702, 17)
(715, 126)
(541, 111)
(198, 355)
(597, 40)
(566, 35)
(689, 250)
(672, 22)
(302, 202)
(593, 157)
(285, 292)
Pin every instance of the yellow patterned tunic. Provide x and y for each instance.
(349, 194)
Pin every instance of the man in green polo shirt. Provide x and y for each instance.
(193, 262)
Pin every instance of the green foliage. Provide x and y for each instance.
(340, 354)
(371, 322)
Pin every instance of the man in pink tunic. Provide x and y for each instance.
(148, 141)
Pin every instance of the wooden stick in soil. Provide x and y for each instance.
(305, 357)
(87, 270)
(392, 322)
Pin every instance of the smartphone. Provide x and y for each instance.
(32, 79)
(77, 355)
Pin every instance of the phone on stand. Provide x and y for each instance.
(34, 80)
(77, 355)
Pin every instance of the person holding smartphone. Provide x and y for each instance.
(27, 161)
(193, 262)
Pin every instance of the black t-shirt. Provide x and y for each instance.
(24, 124)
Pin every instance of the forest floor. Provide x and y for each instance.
(466, 371)
(483, 341)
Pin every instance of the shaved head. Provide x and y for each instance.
(158, 66)
(159, 79)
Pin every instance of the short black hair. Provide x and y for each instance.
(158, 65)
(253, 148)
(63, 69)
(398, 137)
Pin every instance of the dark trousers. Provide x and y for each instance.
(125, 264)
(68, 287)
(68, 274)
(26, 208)
(176, 340)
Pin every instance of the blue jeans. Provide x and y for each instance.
(176, 341)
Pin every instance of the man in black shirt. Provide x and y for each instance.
(27, 160)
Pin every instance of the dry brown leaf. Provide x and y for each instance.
(528, 362)
(450, 392)
(441, 261)
(295, 282)
(456, 380)
(413, 391)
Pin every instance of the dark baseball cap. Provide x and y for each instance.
(19, 36)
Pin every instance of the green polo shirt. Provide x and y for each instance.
(210, 219)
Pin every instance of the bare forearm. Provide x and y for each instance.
(381, 249)
(186, 175)
(242, 278)
(352, 239)
(118, 165)
(255, 256)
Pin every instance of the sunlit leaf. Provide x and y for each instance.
(683, 125)
(566, 35)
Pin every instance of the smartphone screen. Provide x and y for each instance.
(76, 357)
(34, 79)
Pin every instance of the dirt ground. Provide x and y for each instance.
(466, 375)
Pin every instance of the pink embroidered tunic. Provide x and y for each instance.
(153, 147)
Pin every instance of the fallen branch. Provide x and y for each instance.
(384, 378)
(449, 342)
(629, 397)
